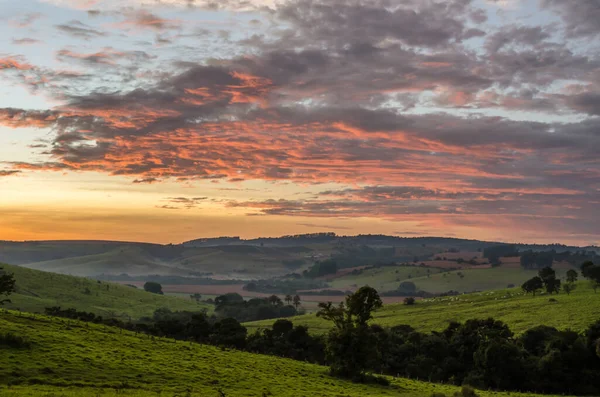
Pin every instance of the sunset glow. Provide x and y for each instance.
(164, 121)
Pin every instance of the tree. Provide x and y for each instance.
(7, 285)
(569, 287)
(572, 276)
(409, 301)
(275, 300)
(585, 266)
(350, 346)
(196, 297)
(548, 276)
(296, 300)
(533, 285)
(153, 287)
(288, 299)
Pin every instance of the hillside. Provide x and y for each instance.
(519, 311)
(234, 258)
(69, 359)
(37, 290)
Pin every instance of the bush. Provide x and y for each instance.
(436, 394)
(11, 340)
(466, 391)
(409, 301)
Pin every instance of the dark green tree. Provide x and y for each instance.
(350, 347)
(7, 285)
(572, 276)
(297, 301)
(551, 283)
(153, 287)
(569, 287)
(289, 299)
(533, 285)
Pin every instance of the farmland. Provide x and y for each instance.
(68, 358)
(519, 311)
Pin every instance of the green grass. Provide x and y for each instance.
(438, 281)
(69, 358)
(477, 279)
(519, 311)
(37, 290)
(382, 278)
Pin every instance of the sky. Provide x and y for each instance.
(165, 121)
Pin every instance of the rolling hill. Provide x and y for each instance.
(521, 312)
(67, 358)
(37, 290)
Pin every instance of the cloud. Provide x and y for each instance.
(390, 102)
(176, 203)
(4, 173)
(25, 41)
(80, 30)
(581, 17)
(143, 19)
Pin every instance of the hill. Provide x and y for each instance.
(521, 312)
(68, 358)
(244, 259)
(36, 290)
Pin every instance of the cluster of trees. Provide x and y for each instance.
(537, 260)
(7, 286)
(546, 279)
(233, 305)
(591, 272)
(153, 287)
(322, 268)
(482, 353)
(495, 252)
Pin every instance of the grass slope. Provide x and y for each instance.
(519, 311)
(131, 260)
(37, 290)
(382, 278)
(69, 359)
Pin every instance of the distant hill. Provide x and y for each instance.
(73, 359)
(37, 290)
(236, 258)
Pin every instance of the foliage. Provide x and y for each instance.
(153, 287)
(409, 301)
(533, 285)
(498, 251)
(234, 306)
(537, 260)
(323, 268)
(349, 348)
(572, 276)
(7, 285)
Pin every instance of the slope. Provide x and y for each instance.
(132, 260)
(37, 290)
(519, 311)
(69, 358)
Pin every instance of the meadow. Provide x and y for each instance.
(521, 312)
(67, 358)
(37, 290)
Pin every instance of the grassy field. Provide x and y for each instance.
(382, 278)
(519, 311)
(69, 359)
(37, 290)
(437, 280)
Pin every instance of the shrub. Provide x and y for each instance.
(436, 394)
(466, 391)
(409, 301)
(9, 339)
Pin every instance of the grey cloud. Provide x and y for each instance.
(80, 30)
(581, 17)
